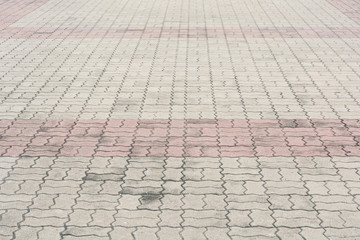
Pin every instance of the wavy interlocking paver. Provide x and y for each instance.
(155, 119)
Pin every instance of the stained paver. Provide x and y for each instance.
(176, 119)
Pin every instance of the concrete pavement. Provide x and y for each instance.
(179, 119)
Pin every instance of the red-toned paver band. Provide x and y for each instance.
(350, 8)
(176, 138)
(175, 32)
(15, 10)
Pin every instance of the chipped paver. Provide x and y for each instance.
(177, 119)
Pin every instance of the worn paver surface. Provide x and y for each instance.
(179, 119)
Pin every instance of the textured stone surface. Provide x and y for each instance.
(216, 119)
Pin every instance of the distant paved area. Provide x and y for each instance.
(179, 119)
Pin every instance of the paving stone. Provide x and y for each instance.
(122, 233)
(256, 232)
(261, 218)
(293, 233)
(193, 233)
(309, 233)
(331, 219)
(296, 218)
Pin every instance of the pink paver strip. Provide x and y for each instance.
(350, 8)
(13, 10)
(176, 138)
(174, 32)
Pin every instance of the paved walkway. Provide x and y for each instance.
(179, 119)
